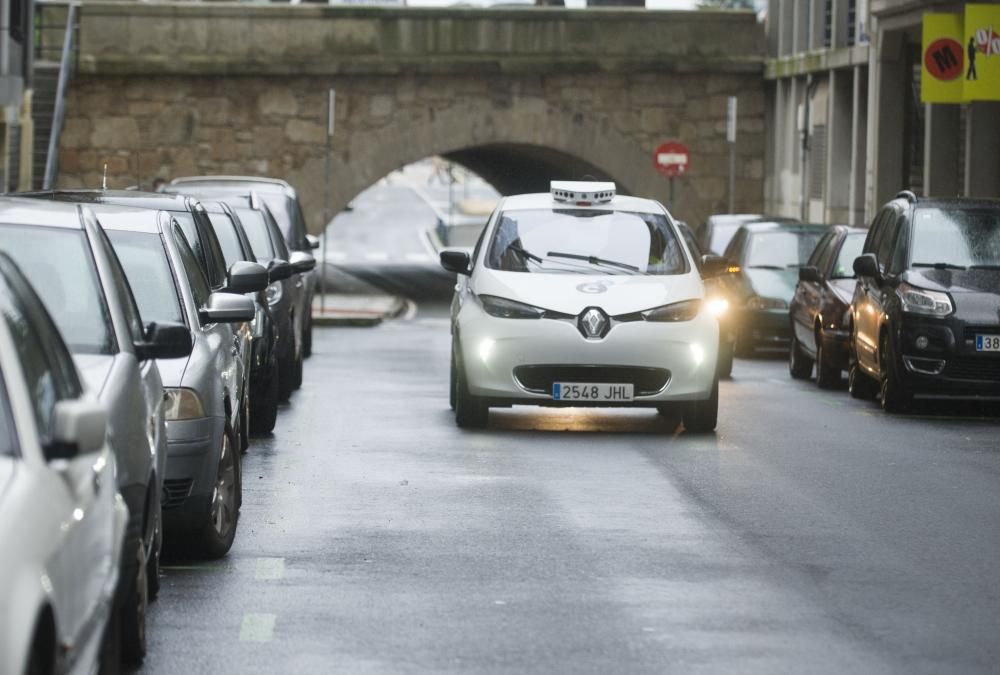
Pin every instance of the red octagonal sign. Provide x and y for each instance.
(672, 159)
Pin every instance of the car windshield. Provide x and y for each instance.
(851, 249)
(147, 268)
(585, 241)
(722, 234)
(225, 230)
(956, 237)
(256, 229)
(780, 249)
(59, 264)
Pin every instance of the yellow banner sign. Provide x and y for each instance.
(943, 63)
(982, 48)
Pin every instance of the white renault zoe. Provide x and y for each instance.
(582, 297)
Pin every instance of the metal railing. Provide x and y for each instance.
(48, 16)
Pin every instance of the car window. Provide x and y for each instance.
(59, 264)
(560, 241)
(48, 368)
(288, 217)
(960, 237)
(482, 237)
(147, 269)
(843, 268)
(277, 240)
(8, 437)
(133, 318)
(192, 270)
(204, 247)
(722, 234)
(887, 240)
(780, 249)
(878, 229)
(821, 254)
(257, 232)
(215, 258)
(225, 230)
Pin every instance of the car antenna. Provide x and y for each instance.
(104, 179)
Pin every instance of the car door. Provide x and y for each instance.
(82, 563)
(808, 294)
(866, 298)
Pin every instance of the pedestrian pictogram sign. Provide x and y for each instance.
(672, 159)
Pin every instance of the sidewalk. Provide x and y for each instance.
(336, 309)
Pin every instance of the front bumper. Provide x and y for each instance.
(764, 327)
(949, 365)
(496, 353)
(192, 465)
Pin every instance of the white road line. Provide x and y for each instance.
(257, 627)
(377, 256)
(270, 569)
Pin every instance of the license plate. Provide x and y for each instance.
(988, 343)
(579, 391)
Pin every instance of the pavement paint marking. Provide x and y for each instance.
(257, 627)
(270, 569)
(379, 256)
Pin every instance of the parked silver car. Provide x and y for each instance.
(62, 520)
(69, 261)
(203, 486)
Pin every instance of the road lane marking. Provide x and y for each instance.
(270, 569)
(379, 256)
(257, 627)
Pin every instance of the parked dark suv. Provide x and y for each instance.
(926, 311)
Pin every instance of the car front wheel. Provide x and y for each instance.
(133, 616)
(219, 530)
(701, 417)
(827, 376)
(800, 366)
(471, 412)
(896, 398)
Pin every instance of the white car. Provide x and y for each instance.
(582, 297)
(62, 520)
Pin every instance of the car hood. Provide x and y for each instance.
(955, 281)
(773, 283)
(844, 288)
(95, 369)
(572, 293)
(172, 370)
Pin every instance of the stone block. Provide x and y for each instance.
(114, 132)
(75, 133)
(277, 102)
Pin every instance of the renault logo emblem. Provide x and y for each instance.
(594, 323)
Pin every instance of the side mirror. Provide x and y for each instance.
(713, 266)
(279, 270)
(165, 341)
(78, 428)
(867, 266)
(227, 308)
(456, 261)
(301, 262)
(809, 273)
(313, 241)
(247, 277)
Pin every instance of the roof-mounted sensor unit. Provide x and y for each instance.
(582, 193)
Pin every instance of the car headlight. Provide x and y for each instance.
(509, 309)
(760, 302)
(182, 404)
(273, 293)
(678, 311)
(717, 306)
(920, 301)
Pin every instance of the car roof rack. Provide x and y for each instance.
(908, 195)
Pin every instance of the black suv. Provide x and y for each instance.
(926, 310)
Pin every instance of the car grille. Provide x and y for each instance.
(979, 369)
(175, 491)
(539, 379)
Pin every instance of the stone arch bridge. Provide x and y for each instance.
(519, 96)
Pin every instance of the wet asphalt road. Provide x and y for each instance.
(810, 534)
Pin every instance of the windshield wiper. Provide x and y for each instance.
(524, 252)
(765, 267)
(984, 267)
(594, 260)
(940, 266)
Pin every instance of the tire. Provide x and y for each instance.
(217, 533)
(286, 382)
(245, 419)
(800, 366)
(133, 614)
(452, 381)
(297, 372)
(153, 565)
(264, 407)
(726, 360)
(307, 337)
(471, 412)
(42, 658)
(701, 417)
(827, 376)
(110, 658)
(859, 385)
(895, 397)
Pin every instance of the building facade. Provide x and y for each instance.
(847, 130)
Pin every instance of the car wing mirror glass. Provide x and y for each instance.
(165, 341)
(227, 308)
(456, 261)
(713, 266)
(302, 262)
(279, 270)
(78, 428)
(247, 277)
(867, 266)
(809, 273)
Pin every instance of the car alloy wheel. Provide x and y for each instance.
(223, 512)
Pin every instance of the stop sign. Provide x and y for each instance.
(672, 159)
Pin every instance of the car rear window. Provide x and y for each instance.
(585, 241)
(147, 268)
(59, 264)
(780, 249)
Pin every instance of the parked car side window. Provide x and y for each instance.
(897, 261)
(122, 288)
(820, 258)
(225, 231)
(280, 247)
(8, 438)
(192, 270)
(216, 261)
(878, 229)
(887, 241)
(48, 367)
